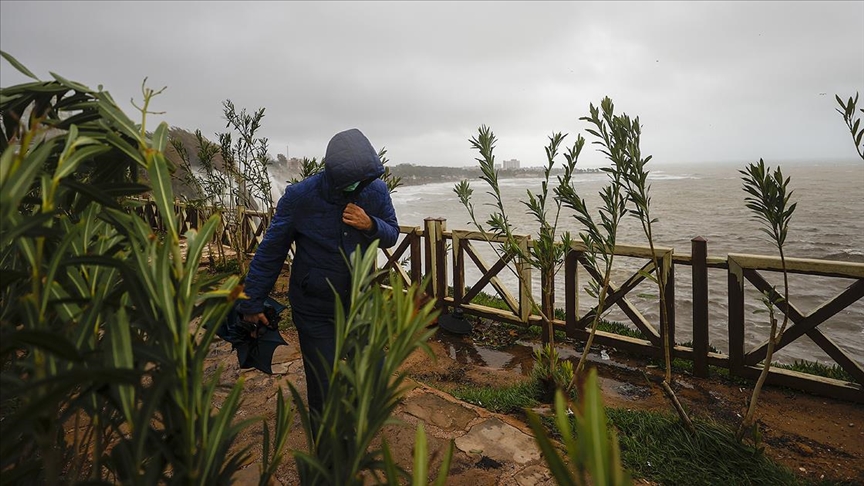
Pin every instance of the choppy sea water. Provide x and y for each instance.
(707, 201)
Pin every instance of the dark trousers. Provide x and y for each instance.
(318, 345)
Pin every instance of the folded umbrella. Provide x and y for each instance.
(255, 343)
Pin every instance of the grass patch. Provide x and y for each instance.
(537, 331)
(618, 328)
(656, 447)
(818, 369)
(482, 298)
(508, 399)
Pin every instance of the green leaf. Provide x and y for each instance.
(90, 192)
(163, 194)
(421, 458)
(46, 340)
(121, 357)
(70, 164)
(20, 179)
(556, 465)
(17, 65)
(34, 225)
(160, 137)
(594, 423)
(195, 246)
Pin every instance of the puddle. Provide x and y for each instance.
(614, 389)
(519, 356)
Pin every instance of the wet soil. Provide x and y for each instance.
(818, 438)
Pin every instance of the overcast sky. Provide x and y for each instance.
(711, 82)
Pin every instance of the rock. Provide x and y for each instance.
(500, 442)
(437, 411)
(531, 476)
(804, 449)
(280, 369)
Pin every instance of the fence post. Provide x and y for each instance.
(436, 267)
(668, 266)
(458, 269)
(699, 266)
(547, 305)
(238, 228)
(736, 317)
(571, 291)
(416, 256)
(523, 269)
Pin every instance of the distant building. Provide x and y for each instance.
(294, 165)
(512, 164)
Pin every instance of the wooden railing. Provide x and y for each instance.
(425, 253)
(739, 360)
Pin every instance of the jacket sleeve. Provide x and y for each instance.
(269, 257)
(384, 218)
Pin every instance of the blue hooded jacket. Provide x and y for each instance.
(310, 215)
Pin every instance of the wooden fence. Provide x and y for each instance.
(422, 252)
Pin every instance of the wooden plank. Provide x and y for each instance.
(489, 312)
(394, 255)
(416, 259)
(393, 262)
(817, 385)
(489, 276)
(441, 261)
(735, 282)
(717, 262)
(623, 343)
(699, 269)
(458, 268)
(761, 351)
(523, 273)
(435, 271)
(825, 268)
(640, 251)
(486, 237)
(803, 324)
(846, 362)
(616, 297)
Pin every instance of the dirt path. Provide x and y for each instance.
(813, 436)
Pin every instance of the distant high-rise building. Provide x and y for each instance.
(294, 165)
(512, 164)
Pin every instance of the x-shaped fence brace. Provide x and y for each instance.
(808, 324)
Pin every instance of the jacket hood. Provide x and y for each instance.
(351, 158)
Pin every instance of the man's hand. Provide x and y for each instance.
(256, 318)
(356, 217)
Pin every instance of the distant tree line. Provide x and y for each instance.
(411, 174)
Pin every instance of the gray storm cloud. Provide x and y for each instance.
(730, 81)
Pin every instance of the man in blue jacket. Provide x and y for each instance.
(326, 215)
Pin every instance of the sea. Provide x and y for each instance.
(696, 200)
